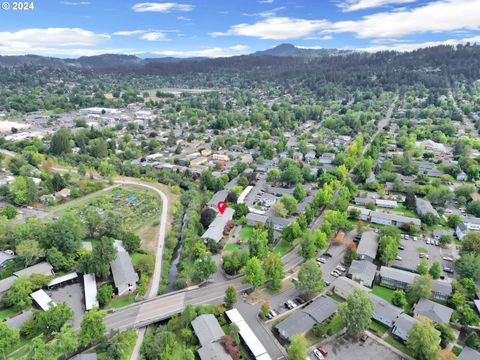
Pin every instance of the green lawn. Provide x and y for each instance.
(122, 301)
(336, 324)
(378, 329)
(232, 247)
(401, 208)
(282, 247)
(246, 232)
(5, 313)
(457, 350)
(383, 292)
(397, 345)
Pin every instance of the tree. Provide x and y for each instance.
(424, 340)
(273, 175)
(290, 203)
(468, 266)
(61, 143)
(399, 299)
(66, 341)
(435, 270)
(420, 288)
(323, 197)
(9, 211)
(18, 296)
(105, 294)
(258, 243)
(203, 268)
(447, 335)
(66, 234)
(357, 312)
(264, 309)
(292, 232)
(254, 273)
(103, 254)
(387, 248)
(230, 298)
(364, 168)
(131, 241)
(422, 267)
(292, 174)
(273, 267)
(308, 247)
(207, 216)
(9, 338)
(454, 220)
(23, 190)
(310, 279)
(30, 251)
(299, 192)
(92, 220)
(39, 350)
(279, 209)
(466, 316)
(48, 322)
(297, 350)
(92, 327)
(471, 243)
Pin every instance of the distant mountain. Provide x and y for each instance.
(292, 50)
(108, 60)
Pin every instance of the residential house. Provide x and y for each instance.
(378, 217)
(279, 223)
(209, 333)
(461, 230)
(402, 326)
(368, 246)
(124, 276)
(217, 227)
(326, 158)
(390, 204)
(436, 312)
(462, 176)
(469, 223)
(256, 219)
(304, 319)
(364, 201)
(344, 287)
(363, 272)
(441, 290)
(385, 312)
(216, 198)
(309, 156)
(424, 207)
(64, 193)
(43, 268)
(5, 285)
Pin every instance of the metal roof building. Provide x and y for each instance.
(62, 279)
(208, 331)
(385, 312)
(368, 246)
(43, 268)
(90, 291)
(124, 275)
(248, 336)
(215, 230)
(434, 311)
(42, 299)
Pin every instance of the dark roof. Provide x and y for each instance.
(434, 311)
(362, 267)
(442, 287)
(303, 320)
(384, 309)
(207, 329)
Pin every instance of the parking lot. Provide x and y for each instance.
(346, 349)
(412, 249)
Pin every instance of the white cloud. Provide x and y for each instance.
(266, 14)
(27, 39)
(155, 36)
(265, 1)
(402, 46)
(75, 3)
(129, 32)
(354, 5)
(161, 7)
(183, 18)
(436, 16)
(208, 52)
(275, 28)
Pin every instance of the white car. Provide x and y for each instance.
(415, 238)
(399, 258)
(340, 268)
(318, 354)
(447, 258)
(321, 260)
(407, 237)
(428, 241)
(402, 236)
(334, 273)
(9, 252)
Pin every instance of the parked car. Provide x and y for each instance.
(423, 255)
(407, 237)
(340, 268)
(402, 236)
(271, 314)
(290, 304)
(437, 243)
(415, 238)
(299, 300)
(399, 258)
(448, 270)
(377, 230)
(321, 260)
(447, 258)
(364, 337)
(318, 354)
(327, 283)
(9, 252)
(334, 273)
(428, 241)
(327, 255)
(322, 350)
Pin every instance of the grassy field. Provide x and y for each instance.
(336, 324)
(397, 345)
(282, 247)
(378, 329)
(246, 232)
(5, 313)
(383, 292)
(122, 301)
(232, 247)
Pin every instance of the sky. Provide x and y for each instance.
(217, 28)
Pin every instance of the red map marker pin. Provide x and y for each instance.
(222, 206)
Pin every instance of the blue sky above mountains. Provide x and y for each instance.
(214, 28)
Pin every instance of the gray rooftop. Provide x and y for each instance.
(434, 311)
(469, 354)
(385, 309)
(122, 269)
(217, 197)
(404, 323)
(395, 217)
(215, 230)
(442, 287)
(424, 207)
(368, 244)
(5, 284)
(207, 329)
(17, 321)
(213, 351)
(41, 268)
(257, 218)
(303, 320)
(397, 274)
(362, 267)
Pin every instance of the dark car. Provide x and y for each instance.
(299, 300)
(448, 270)
(364, 337)
(327, 255)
